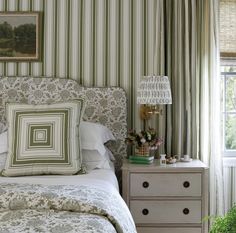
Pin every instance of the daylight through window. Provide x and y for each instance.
(228, 103)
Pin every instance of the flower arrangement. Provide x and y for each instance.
(148, 138)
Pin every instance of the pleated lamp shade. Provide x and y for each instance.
(154, 90)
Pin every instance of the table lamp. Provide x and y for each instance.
(153, 91)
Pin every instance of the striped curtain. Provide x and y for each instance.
(193, 121)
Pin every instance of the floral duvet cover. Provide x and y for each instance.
(61, 209)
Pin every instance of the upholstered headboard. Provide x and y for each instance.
(106, 105)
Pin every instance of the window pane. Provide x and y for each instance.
(231, 93)
(228, 106)
(230, 132)
(222, 92)
(228, 68)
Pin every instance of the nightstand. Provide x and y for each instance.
(167, 199)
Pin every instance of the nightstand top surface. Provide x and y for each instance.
(155, 166)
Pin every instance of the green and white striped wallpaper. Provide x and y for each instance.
(96, 42)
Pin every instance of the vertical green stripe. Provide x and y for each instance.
(144, 37)
(119, 43)
(29, 68)
(18, 5)
(132, 44)
(56, 40)
(106, 42)
(30, 5)
(5, 68)
(17, 63)
(94, 32)
(166, 44)
(81, 42)
(33, 5)
(30, 63)
(42, 38)
(4, 64)
(68, 38)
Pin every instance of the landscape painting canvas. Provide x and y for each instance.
(19, 36)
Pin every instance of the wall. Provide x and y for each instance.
(96, 42)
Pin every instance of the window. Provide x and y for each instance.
(228, 90)
(227, 36)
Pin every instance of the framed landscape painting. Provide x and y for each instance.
(19, 36)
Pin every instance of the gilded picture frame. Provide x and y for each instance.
(20, 36)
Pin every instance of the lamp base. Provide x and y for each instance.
(146, 111)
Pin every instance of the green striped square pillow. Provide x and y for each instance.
(43, 139)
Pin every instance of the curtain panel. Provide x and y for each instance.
(192, 63)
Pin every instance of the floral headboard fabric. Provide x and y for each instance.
(105, 105)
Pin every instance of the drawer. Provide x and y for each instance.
(161, 184)
(168, 230)
(171, 211)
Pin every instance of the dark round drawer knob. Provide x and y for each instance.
(186, 184)
(145, 211)
(186, 211)
(145, 184)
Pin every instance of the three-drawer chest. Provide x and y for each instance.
(167, 199)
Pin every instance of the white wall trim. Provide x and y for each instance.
(229, 162)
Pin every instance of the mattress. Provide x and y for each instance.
(102, 178)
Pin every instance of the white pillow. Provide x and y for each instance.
(3, 142)
(92, 159)
(94, 135)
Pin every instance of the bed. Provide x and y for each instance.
(67, 202)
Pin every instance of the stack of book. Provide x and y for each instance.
(141, 159)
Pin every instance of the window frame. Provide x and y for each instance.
(224, 113)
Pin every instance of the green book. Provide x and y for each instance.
(141, 158)
(140, 161)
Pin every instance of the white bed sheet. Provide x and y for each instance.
(103, 178)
